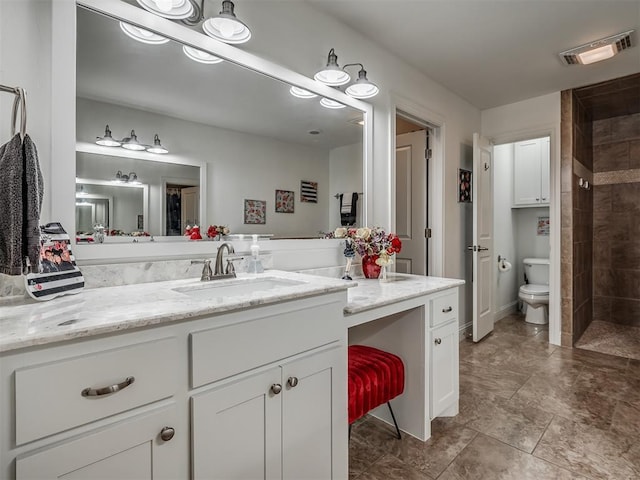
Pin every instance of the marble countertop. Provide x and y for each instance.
(110, 309)
(369, 294)
(104, 310)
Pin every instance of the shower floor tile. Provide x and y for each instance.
(611, 338)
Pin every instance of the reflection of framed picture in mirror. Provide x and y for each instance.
(255, 212)
(464, 186)
(140, 222)
(284, 201)
(308, 191)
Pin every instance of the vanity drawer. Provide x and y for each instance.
(57, 396)
(227, 350)
(444, 308)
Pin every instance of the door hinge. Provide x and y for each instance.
(428, 153)
(427, 233)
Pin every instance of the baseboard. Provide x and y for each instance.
(506, 310)
(465, 331)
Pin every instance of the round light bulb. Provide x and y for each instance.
(227, 27)
(164, 5)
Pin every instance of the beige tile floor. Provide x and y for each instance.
(528, 410)
(611, 338)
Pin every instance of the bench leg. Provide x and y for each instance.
(394, 421)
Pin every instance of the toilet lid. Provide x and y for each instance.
(531, 289)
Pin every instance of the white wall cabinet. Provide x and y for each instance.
(259, 426)
(531, 173)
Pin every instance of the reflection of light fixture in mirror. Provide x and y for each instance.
(107, 140)
(362, 87)
(332, 74)
(598, 50)
(357, 121)
(226, 27)
(132, 143)
(301, 93)
(83, 203)
(157, 146)
(123, 178)
(142, 35)
(328, 103)
(200, 56)
(173, 9)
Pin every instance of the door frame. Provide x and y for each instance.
(435, 174)
(555, 256)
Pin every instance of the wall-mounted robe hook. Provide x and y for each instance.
(584, 183)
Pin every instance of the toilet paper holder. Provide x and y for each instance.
(503, 264)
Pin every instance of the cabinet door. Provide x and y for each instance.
(526, 173)
(545, 158)
(444, 367)
(314, 420)
(130, 449)
(236, 429)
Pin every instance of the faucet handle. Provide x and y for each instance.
(206, 271)
(231, 269)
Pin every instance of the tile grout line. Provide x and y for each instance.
(460, 452)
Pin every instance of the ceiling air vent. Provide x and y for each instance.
(597, 50)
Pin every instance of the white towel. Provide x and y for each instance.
(346, 202)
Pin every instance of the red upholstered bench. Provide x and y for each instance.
(375, 377)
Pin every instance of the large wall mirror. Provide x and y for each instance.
(234, 136)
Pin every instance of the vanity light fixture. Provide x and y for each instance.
(132, 143)
(328, 103)
(332, 74)
(107, 140)
(301, 92)
(598, 50)
(362, 87)
(200, 56)
(132, 178)
(172, 9)
(226, 27)
(142, 35)
(157, 146)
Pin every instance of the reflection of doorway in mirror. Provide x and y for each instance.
(182, 207)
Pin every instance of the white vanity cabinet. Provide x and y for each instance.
(278, 423)
(444, 347)
(531, 173)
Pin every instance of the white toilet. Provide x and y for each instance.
(535, 292)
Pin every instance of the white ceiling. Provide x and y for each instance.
(495, 52)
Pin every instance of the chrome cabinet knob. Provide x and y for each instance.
(167, 433)
(438, 341)
(276, 388)
(293, 381)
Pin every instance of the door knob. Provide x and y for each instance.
(167, 433)
(293, 381)
(276, 388)
(482, 249)
(472, 247)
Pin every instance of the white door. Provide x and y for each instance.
(411, 202)
(482, 248)
(190, 202)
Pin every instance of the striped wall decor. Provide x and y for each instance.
(308, 191)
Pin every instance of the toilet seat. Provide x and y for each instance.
(532, 289)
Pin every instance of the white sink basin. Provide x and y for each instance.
(236, 287)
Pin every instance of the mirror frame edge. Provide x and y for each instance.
(63, 105)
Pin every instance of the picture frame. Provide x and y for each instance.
(464, 185)
(308, 191)
(285, 202)
(255, 212)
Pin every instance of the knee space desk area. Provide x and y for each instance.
(164, 380)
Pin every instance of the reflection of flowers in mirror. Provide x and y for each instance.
(216, 230)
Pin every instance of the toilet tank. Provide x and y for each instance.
(536, 270)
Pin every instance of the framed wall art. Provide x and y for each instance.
(308, 191)
(255, 212)
(464, 186)
(284, 201)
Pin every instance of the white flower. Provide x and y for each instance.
(363, 233)
(384, 259)
(225, 230)
(340, 232)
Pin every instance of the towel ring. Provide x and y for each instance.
(19, 101)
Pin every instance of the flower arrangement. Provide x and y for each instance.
(372, 242)
(215, 230)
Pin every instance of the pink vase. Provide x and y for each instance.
(369, 267)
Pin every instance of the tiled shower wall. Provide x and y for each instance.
(576, 218)
(616, 204)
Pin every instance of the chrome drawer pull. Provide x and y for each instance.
(293, 381)
(98, 392)
(276, 388)
(447, 310)
(167, 433)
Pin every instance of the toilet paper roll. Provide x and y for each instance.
(504, 266)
